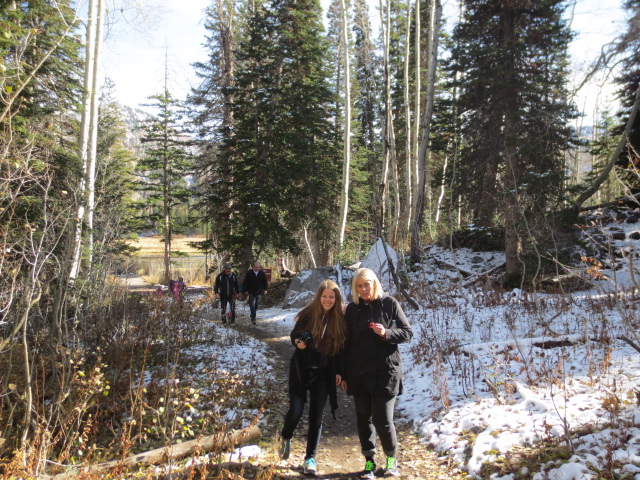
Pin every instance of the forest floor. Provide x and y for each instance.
(339, 454)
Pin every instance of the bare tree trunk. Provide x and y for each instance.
(85, 134)
(166, 179)
(407, 114)
(93, 127)
(417, 109)
(389, 146)
(309, 247)
(435, 17)
(346, 161)
(384, 190)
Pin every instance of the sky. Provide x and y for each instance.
(135, 48)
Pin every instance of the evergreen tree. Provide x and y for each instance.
(115, 215)
(278, 167)
(164, 171)
(512, 61)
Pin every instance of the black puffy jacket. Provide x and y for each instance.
(370, 364)
(308, 366)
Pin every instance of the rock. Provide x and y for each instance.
(618, 234)
(303, 287)
(376, 260)
(634, 235)
(477, 259)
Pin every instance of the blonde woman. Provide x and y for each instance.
(371, 367)
(319, 336)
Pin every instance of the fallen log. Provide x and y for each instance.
(169, 453)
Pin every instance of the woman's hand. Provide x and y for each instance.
(378, 329)
(341, 383)
(300, 344)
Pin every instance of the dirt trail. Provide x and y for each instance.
(339, 454)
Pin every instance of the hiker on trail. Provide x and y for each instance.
(226, 288)
(371, 368)
(254, 284)
(318, 335)
(177, 288)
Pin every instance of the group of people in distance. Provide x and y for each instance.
(354, 348)
(226, 288)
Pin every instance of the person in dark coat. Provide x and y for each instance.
(255, 284)
(318, 335)
(226, 287)
(371, 367)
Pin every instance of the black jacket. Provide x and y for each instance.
(370, 364)
(226, 285)
(308, 366)
(254, 283)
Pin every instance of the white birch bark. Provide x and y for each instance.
(346, 162)
(434, 33)
(93, 127)
(90, 39)
(407, 114)
(416, 108)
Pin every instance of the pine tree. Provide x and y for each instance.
(278, 168)
(164, 170)
(512, 58)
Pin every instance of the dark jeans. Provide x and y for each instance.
(253, 305)
(374, 414)
(318, 392)
(223, 306)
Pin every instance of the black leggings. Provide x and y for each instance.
(374, 415)
(318, 392)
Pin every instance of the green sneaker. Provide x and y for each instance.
(391, 468)
(369, 469)
(285, 449)
(309, 467)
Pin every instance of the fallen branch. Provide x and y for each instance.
(629, 342)
(170, 453)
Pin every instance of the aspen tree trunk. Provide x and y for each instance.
(166, 179)
(344, 198)
(435, 16)
(416, 109)
(93, 127)
(85, 133)
(389, 136)
(407, 114)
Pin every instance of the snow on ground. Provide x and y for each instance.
(489, 373)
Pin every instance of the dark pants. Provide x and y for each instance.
(223, 306)
(253, 305)
(318, 392)
(374, 414)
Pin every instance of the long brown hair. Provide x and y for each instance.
(336, 331)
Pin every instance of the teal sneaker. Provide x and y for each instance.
(391, 468)
(369, 469)
(285, 449)
(309, 467)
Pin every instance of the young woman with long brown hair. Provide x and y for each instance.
(319, 336)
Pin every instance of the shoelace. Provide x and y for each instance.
(391, 463)
(369, 465)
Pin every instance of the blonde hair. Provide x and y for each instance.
(336, 331)
(366, 274)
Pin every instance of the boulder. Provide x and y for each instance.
(376, 260)
(303, 287)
